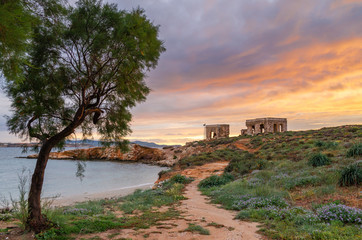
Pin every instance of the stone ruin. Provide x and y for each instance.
(216, 131)
(264, 125)
(254, 126)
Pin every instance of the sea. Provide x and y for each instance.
(67, 178)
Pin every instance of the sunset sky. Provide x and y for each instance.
(232, 60)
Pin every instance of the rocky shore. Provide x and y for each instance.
(166, 156)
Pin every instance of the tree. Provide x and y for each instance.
(87, 70)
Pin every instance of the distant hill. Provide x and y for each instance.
(96, 143)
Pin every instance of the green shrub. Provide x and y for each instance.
(292, 183)
(178, 178)
(163, 172)
(325, 145)
(216, 180)
(256, 141)
(242, 164)
(5, 216)
(145, 200)
(175, 191)
(355, 150)
(319, 143)
(197, 228)
(351, 175)
(319, 159)
(20, 207)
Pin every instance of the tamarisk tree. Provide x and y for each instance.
(87, 69)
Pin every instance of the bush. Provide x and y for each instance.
(341, 213)
(355, 150)
(325, 145)
(197, 228)
(242, 164)
(319, 159)
(176, 191)
(178, 178)
(351, 175)
(292, 183)
(216, 180)
(247, 201)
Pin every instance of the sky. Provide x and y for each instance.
(228, 61)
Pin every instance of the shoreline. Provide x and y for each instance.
(71, 200)
(74, 199)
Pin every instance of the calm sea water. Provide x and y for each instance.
(60, 175)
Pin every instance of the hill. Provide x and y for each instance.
(295, 185)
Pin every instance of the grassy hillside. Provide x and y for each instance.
(301, 185)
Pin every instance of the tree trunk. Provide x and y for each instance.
(36, 221)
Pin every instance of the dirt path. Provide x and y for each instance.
(196, 210)
(241, 144)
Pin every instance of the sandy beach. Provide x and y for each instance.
(66, 201)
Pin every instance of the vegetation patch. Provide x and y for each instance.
(345, 214)
(216, 180)
(319, 159)
(351, 175)
(295, 168)
(355, 150)
(202, 158)
(197, 228)
(97, 216)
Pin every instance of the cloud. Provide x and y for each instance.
(227, 61)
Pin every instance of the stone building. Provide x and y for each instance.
(217, 131)
(265, 125)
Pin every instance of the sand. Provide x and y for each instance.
(66, 201)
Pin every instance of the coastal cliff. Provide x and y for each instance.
(166, 156)
(136, 153)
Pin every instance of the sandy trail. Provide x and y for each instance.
(197, 210)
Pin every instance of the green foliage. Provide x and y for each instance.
(197, 228)
(178, 178)
(256, 141)
(351, 175)
(5, 216)
(319, 159)
(20, 206)
(170, 192)
(19, 18)
(230, 193)
(202, 158)
(15, 25)
(161, 173)
(94, 216)
(339, 212)
(242, 164)
(355, 150)
(292, 183)
(144, 200)
(216, 180)
(326, 145)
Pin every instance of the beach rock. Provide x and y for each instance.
(136, 153)
(168, 156)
